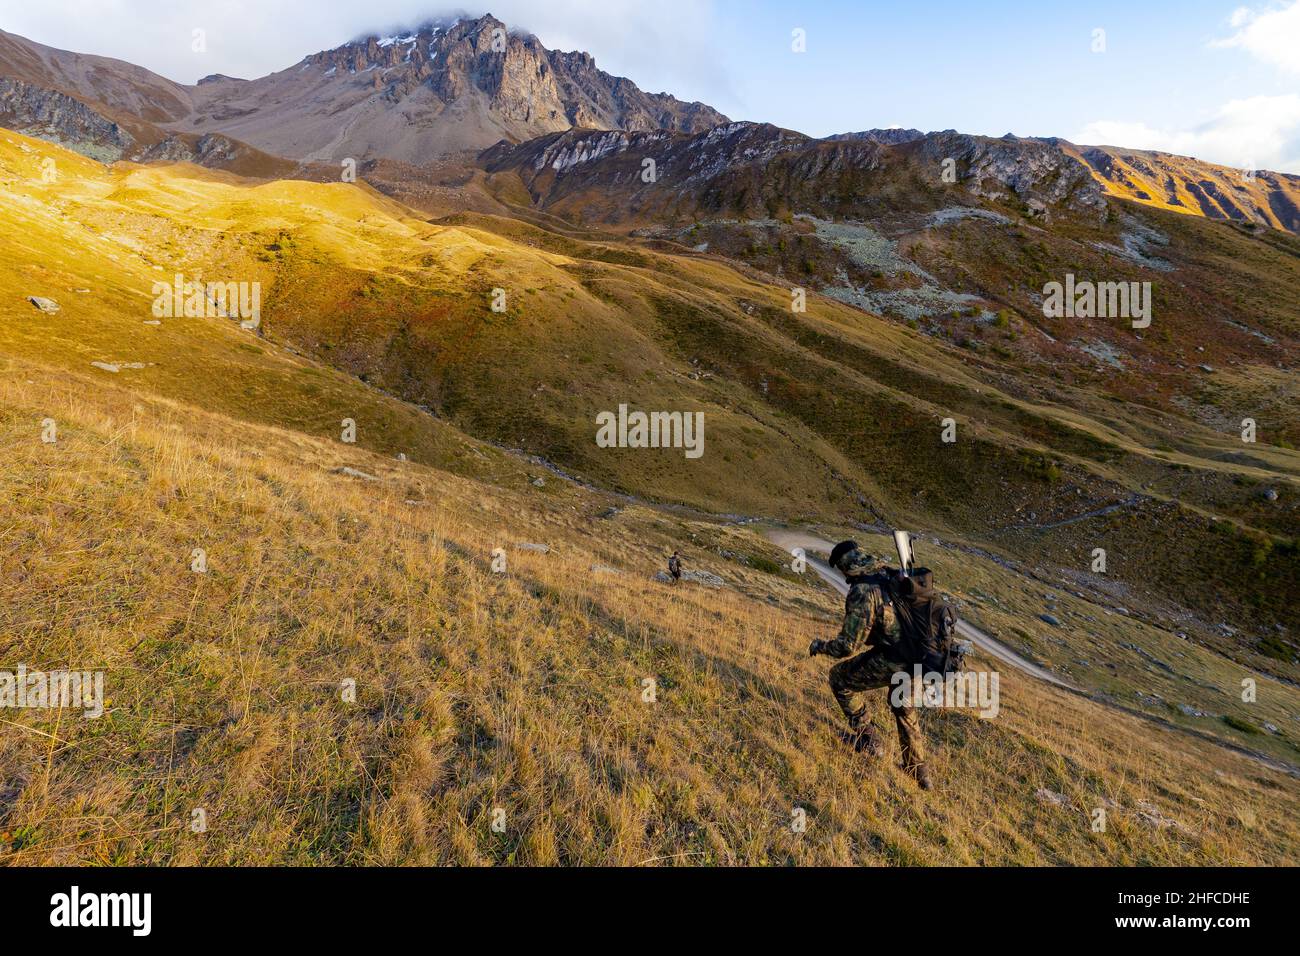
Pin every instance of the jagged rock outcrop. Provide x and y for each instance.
(213, 150)
(1036, 172)
(59, 118)
(887, 137)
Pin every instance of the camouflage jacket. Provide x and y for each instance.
(868, 615)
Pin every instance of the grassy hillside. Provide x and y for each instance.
(478, 692)
(373, 314)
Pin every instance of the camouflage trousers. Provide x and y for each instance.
(850, 678)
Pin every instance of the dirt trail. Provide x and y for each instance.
(1130, 502)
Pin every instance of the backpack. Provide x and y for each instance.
(927, 627)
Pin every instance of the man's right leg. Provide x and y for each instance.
(849, 679)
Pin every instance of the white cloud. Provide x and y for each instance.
(1271, 35)
(1260, 132)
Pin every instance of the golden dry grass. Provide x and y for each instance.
(479, 691)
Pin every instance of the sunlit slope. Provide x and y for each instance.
(1193, 187)
(520, 693)
(355, 280)
(832, 413)
(96, 240)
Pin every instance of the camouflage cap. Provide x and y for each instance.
(840, 550)
(858, 563)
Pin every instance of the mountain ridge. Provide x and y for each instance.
(1042, 171)
(456, 87)
(444, 88)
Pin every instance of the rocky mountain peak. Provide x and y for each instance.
(521, 80)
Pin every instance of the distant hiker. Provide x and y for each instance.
(868, 620)
(675, 566)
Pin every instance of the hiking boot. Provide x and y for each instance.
(920, 775)
(865, 741)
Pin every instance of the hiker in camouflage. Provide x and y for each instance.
(869, 620)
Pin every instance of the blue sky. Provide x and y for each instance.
(1219, 80)
(998, 67)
